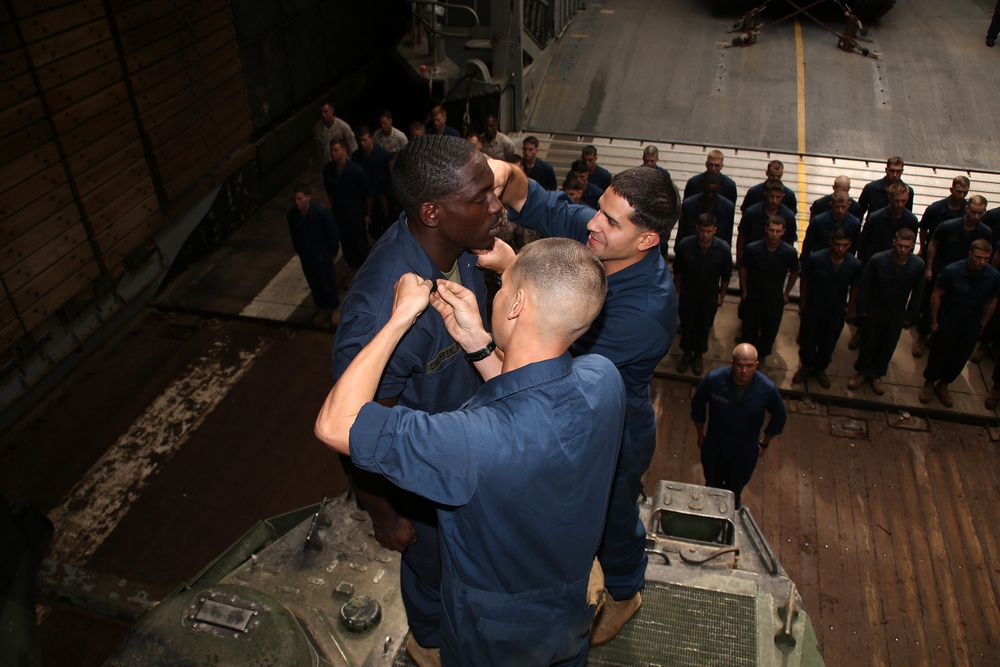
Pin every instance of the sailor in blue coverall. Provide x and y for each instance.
(521, 472)
(733, 399)
(634, 330)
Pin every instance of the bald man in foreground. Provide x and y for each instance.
(522, 472)
(733, 399)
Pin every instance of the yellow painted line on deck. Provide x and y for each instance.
(801, 194)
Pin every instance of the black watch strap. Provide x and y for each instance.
(479, 355)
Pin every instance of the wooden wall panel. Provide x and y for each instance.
(26, 139)
(69, 42)
(10, 326)
(17, 89)
(106, 123)
(43, 296)
(31, 190)
(111, 111)
(29, 164)
(13, 63)
(46, 24)
(57, 73)
(25, 240)
(78, 89)
(98, 102)
(101, 149)
(100, 172)
(72, 246)
(16, 116)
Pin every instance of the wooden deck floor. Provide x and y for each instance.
(891, 537)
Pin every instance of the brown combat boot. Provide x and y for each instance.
(993, 397)
(941, 389)
(612, 618)
(926, 392)
(422, 656)
(855, 382)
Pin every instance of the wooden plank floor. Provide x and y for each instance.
(891, 538)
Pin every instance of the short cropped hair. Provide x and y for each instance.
(961, 181)
(572, 183)
(579, 166)
(712, 178)
(773, 184)
(776, 164)
(589, 150)
(898, 189)
(894, 160)
(716, 155)
(651, 150)
(905, 234)
(706, 220)
(652, 195)
(567, 281)
(302, 188)
(427, 169)
(533, 140)
(840, 234)
(840, 197)
(978, 200)
(982, 245)
(776, 220)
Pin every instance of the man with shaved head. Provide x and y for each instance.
(824, 203)
(734, 400)
(521, 472)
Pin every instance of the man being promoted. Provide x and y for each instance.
(733, 400)
(703, 267)
(520, 473)
(634, 330)
(446, 189)
(964, 298)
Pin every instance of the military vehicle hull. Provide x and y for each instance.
(324, 593)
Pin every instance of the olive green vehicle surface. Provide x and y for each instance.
(322, 592)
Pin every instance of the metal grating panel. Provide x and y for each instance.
(679, 625)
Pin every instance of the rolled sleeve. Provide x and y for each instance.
(430, 455)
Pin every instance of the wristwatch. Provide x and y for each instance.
(479, 355)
